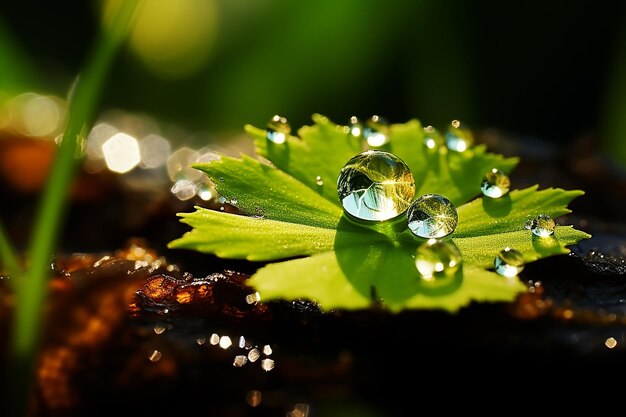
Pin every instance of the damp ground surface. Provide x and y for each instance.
(133, 326)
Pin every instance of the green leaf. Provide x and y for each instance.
(259, 188)
(324, 256)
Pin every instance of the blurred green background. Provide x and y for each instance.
(553, 70)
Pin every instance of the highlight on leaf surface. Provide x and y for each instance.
(315, 251)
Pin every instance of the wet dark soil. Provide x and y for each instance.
(135, 327)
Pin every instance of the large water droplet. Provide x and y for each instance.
(375, 186)
(509, 262)
(495, 184)
(432, 138)
(438, 260)
(543, 225)
(458, 138)
(278, 129)
(376, 131)
(432, 216)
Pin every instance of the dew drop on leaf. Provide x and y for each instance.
(509, 262)
(278, 129)
(376, 131)
(438, 260)
(355, 127)
(432, 216)
(375, 186)
(458, 138)
(495, 184)
(543, 225)
(432, 138)
(319, 181)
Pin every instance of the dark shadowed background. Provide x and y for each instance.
(551, 70)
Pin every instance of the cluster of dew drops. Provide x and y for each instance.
(377, 186)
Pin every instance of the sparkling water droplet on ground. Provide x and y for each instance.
(253, 355)
(253, 298)
(543, 225)
(253, 398)
(438, 260)
(495, 184)
(225, 342)
(267, 364)
(376, 131)
(278, 129)
(458, 138)
(509, 262)
(432, 216)
(432, 138)
(240, 360)
(319, 181)
(375, 186)
(155, 356)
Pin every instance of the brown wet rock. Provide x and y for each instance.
(131, 330)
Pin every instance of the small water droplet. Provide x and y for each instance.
(242, 342)
(201, 341)
(254, 354)
(543, 225)
(432, 216)
(155, 356)
(438, 260)
(225, 342)
(267, 364)
(253, 398)
(240, 360)
(318, 181)
(278, 129)
(214, 339)
(253, 298)
(509, 262)
(267, 349)
(432, 138)
(206, 191)
(458, 138)
(259, 213)
(376, 131)
(159, 329)
(233, 201)
(528, 224)
(495, 184)
(375, 186)
(355, 127)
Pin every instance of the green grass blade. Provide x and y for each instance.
(31, 291)
(8, 257)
